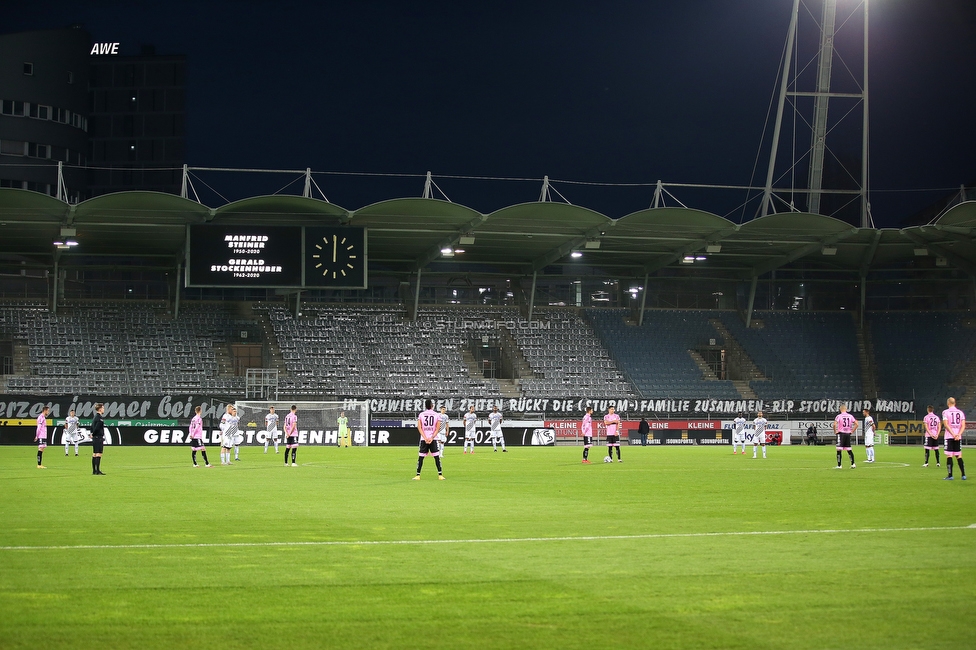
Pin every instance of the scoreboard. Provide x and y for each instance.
(272, 257)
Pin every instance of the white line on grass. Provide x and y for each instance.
(498, 540)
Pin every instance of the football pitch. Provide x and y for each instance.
(673, 548)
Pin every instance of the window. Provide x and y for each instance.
(35, 150)
(71, 77)
(44, 112)
(6, 107)
(19, 109)
(32, 110)
(13, 147)
(28, 68)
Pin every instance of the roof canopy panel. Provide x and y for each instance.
(962, 215)
(546, 217)
(414, 212)
(147, 207)
(25, 205)
(280, 209)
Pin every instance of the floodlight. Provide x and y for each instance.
(576, 254)
(466, 240)
(828, 250)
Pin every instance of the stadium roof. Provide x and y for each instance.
(409, 233)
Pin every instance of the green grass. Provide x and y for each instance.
(869, 589)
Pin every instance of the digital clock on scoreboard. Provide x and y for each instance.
(244, 256)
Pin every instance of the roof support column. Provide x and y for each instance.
(640, 317)
(535, 277)
(752, 300)
(864, 294)
(54, 296)
(176, 296)
(416, 297)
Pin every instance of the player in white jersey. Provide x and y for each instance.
(759, 434)
(228, 433)
(72, 433)
(443, 423)
(868, 435)
(495, 424)
(954, 423)
(271, 433)
(427, 424)
(845, 424)
(739, 434)
(470, 422)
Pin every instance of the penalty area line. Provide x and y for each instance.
(497, 540)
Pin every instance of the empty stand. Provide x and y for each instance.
(371, 351)
(655, 355)
(804, 355)
(920, 353)
(121, 348)
(568, 359)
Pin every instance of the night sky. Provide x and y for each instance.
(607, 92)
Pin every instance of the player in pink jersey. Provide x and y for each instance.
(612, 421)
(196, 438)
(844, 425)
(40, 436)
(587, 429)
(933, 425)
(953, 423)
(291, 435)
(427, 423)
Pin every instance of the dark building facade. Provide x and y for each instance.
(136, 122)
(44, 110)
(116, 122)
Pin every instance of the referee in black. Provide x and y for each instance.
(98, 440)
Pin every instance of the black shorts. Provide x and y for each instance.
(931, 443)
(953, 446)
(843, 441)
(431, 448)
(196, 444)
(291, 441)
(98, 445)
(587, 441)
(613, 441)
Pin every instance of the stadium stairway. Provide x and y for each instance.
(263, 320)
(966, 379)
(21, 357)
(741, 364)
(707, 373)
(865, 356)
(745, 390)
